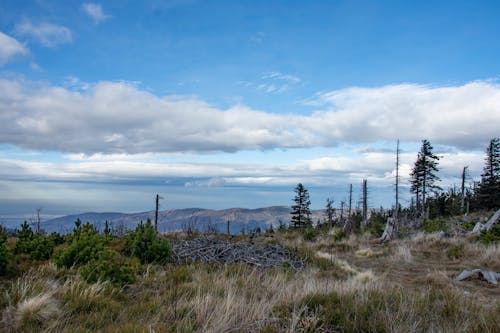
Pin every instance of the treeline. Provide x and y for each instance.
(429, 200)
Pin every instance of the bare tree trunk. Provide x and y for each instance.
(462, 204)
(350, 200)
(156, 211)
(341, 211)
(396, 211)
(38, 219)
(365, 203)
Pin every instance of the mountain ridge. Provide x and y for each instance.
(240, 219)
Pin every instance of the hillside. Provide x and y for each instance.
(241, 219)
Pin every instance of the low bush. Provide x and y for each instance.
(4, 251)
(434, 225)
(85, 246)
(145, 244)
(109, 266)
(36, 245)
(310, 234)
(492, 235)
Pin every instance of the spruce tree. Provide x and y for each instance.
(329, 211)
(489, 188)
(424, 174)
(301, 214)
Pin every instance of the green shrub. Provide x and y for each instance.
(110, 266)
(4, 251)
(492, 235)
(145, 244)
(434, 225)
(376, 228)
(310, 234)
(339, 235)
(455, 251)
(85, 246)
(36, 245)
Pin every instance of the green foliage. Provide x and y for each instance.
(492, 235)
(455, 251)
(310, 234)
(489, 189)
(145, 244)
(36, 245)
(434, 225)
(4, 251)
(111, 266)
(339, 235)
(329, 211)
(85, 246)
(468, 226)
(301, 213)
(376, 223)
(424, 174)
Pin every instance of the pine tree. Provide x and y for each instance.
(423, 174)
(301, 214)
(329, 211)
(489, 188)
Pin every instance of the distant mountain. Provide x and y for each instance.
(240, 219)
(65, 224)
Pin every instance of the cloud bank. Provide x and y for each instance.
(119, 118)
(10, 48)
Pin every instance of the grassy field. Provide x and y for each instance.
(348, 285)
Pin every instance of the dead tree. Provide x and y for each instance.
(38, 219)
(396, 210)
(156, 210)
(391, 226)
(365, 203)
(464, 176)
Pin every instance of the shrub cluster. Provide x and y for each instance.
(145, 244)
(36, 245)
(87, 251)
(4, 251)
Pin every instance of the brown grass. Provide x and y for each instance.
(350, 285)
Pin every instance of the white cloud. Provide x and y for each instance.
(47, 34)
(460, 116)
(378, 168)
(10, 48)
(95, 11)
(276, 82)
(120, 118)
(281, 76)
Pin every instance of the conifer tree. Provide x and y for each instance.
(424, 174)
(301, 214)
(489, 188)
(329, 211)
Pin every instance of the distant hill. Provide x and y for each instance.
(241, 219)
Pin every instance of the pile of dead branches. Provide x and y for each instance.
(211, 250)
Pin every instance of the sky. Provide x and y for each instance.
(219, 104)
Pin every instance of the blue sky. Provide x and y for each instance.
(219, 104)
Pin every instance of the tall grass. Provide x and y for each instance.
(347, 286)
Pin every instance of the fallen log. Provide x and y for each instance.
(487, 226)
(487, 275)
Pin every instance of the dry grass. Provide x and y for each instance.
(402, 253)
(350, 285)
